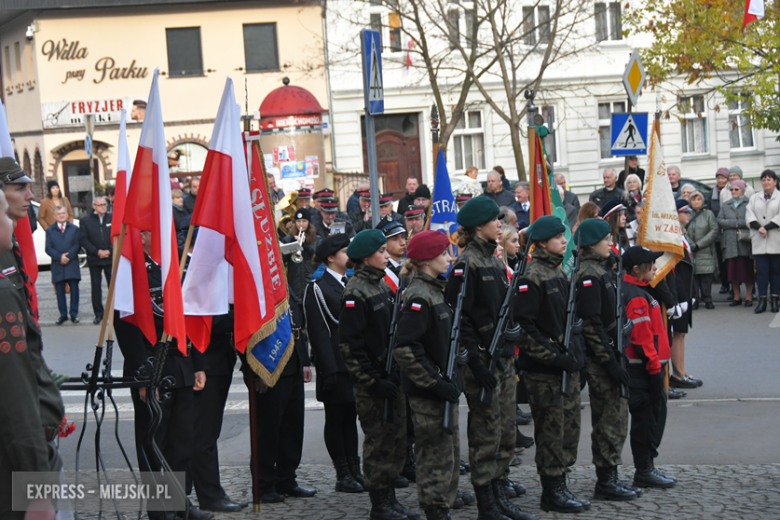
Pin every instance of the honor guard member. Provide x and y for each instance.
(364, 328)
(315, 204)
(332, 221)
(304, 198)
(300, 266)
(386, 208)
(422, 353)
(460, 200)
(648, 355)
(491, 428)
(596, 306)
(539, 307)
(361, 219)
(395, 234)
(414, 219)
(322, 306)
(31, 409)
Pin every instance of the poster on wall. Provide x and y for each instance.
(284, 154)
(312, 166)
(293, 169)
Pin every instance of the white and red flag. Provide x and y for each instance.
(754, 10)
(149, 208)
(225, 264)
(131, 282)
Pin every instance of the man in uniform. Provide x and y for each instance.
(415, 219)
(31, 409)
(304, 198)
(332, 221)
(396, 248)
(325, 193)
(361, 219)
(460, 200)
(386, 208)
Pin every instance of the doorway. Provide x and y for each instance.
(80, 185)
(397, 150)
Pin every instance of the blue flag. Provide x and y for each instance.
(444, 210)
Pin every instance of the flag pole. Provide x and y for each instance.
(531, 110)
(166, 337)
(107, 321)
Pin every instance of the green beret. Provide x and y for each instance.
(479, 210)
(591, 231)
(546, 227)
(366, 243)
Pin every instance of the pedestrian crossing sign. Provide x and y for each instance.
(629, 134)
(373, 86)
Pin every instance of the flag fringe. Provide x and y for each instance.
(270, 327)
(262, 372)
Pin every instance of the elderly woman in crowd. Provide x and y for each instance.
(735, 174)
(633, 196)
(686, 192)
(701, 231)
(736, 242)
(763, 218)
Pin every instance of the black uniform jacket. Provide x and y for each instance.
(94, 236)
(322, 324)
(596, 306)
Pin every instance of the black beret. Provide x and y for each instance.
(638, 255)
(477, 211)
(303, 213)
(422, 192)
(591, 231)
(366, 243)
(545, 227)
(331, 245)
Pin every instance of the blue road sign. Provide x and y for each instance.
(88, 145)
(373, 86)
(629, 133)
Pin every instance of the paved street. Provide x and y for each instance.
(720, 441)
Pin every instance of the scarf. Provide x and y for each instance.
(737, 201)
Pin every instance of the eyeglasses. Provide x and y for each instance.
(99, 205)
(735, 189)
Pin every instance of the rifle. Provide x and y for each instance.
(621, 328)
(501, 332)
(387, 414)
(570, 324)
(449, 415)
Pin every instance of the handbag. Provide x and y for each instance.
(743, 235)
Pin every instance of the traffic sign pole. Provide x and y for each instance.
(373, 94)
(89, 123)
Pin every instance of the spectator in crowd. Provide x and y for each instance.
(179, 211)
(609, 192)
(408, 199)
(522, 207)
(568, 197)
(277, 194)
(509, 217)
(189, 200)
(685, 192)
(504, 180)
(763, 218)
(110, 190)
(95, 238)
(588, 210)
(495, 190)
(361, 219)
(735, 174)
(737, 251)
(353, 203)
(422, 196)
(571, 210)
(633, 195)
(632, 228)
(470, 185)
(53, 199)
(673, 172)
(633, 169)
(702, 231)
(721, 180)
(683, 272)
(62, 245)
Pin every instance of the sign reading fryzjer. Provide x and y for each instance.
(60, 114)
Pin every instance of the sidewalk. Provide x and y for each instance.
(706, 492)
(47, 299)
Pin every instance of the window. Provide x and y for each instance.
(18, 56)
(187, 158)
(608, 24)
(740, 129)
(184, 52)
(453, 23)
(376, 25)
(469, 139)
(605, 120)
(394, 23)
(694, 128)
(532, 32)
(260, 47)
(471, 26)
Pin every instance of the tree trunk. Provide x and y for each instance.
(517, 148)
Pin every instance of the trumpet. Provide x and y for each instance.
(297, 256)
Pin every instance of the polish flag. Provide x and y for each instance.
(126, 293)
(754, 10)
(225, 264)
(149, 208)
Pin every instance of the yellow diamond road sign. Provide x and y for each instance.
(634, 77)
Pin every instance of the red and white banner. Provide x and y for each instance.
(225, 264)
(754, 10)
(149, 208)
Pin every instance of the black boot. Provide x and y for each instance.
(466, 498)
(608, 486)
(647, 476)
(506, 507)
(354, 469)
(555, 498)
(382, 506)
(657, 472)
(585, 503)
(410, 468)
(486, 504)
(397, 507)
(761, 307)
(775, 303)
(345, 482)
(437, 513)
(518, 488)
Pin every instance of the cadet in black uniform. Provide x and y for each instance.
(322, 306)
(539, 307)
(299, 273)
(364, 327)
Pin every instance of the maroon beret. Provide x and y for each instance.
(426, 245)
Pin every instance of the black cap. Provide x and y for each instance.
(638, 255)
(303, 213)
(422, 192)
(331, 245)
(11, 172)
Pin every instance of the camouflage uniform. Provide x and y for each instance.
(609, 413)
(540, 309)
(364, 325)
(422, 353)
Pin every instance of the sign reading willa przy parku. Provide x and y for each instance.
(89, 491)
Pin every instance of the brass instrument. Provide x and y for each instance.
(297, 256)
(288, 204)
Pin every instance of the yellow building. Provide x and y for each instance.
(60, 65)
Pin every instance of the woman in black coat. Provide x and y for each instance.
(322, 306)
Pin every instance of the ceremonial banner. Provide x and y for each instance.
(225, 263)
(149, 208)
(541, 203)
(754, 10)
(126, 292)
(444, 210)
(273, 341)
(659, 228)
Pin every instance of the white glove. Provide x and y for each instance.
(670, 312)
(683, 308)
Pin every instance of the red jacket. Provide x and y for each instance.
(649, 339)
